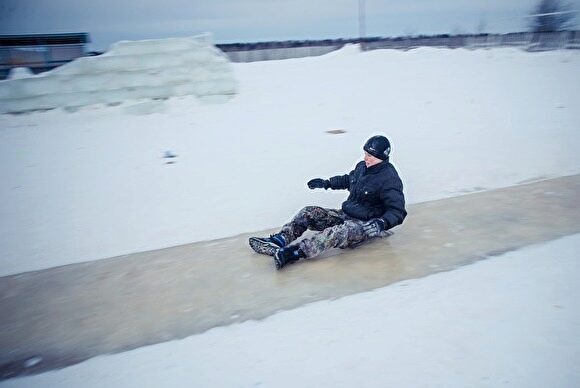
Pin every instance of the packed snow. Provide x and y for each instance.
(99, 182)
(155, 69)
(510, 321)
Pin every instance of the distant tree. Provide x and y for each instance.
(551, 15)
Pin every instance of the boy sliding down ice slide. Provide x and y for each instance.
(375, 204)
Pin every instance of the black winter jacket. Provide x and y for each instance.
(375, 192)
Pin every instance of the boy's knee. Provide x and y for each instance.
(308, 210)
(355, 233)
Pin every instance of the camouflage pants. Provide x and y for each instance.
(337, 230)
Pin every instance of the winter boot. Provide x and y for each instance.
(287, 255)
(268, 245)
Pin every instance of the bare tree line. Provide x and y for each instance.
(552, 16)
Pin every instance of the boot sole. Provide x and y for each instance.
(262, 247)
(278, 263)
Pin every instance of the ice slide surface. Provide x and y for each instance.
(64, 315)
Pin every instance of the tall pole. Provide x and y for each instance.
(361, 19)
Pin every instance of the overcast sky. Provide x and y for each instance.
(108, 21)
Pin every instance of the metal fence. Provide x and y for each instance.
(40, 55)
(525, 40)
(270, 54)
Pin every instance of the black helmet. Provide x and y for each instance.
(379, 147)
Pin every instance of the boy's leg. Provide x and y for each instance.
(310, 217)
(349, 233)
(313, 218)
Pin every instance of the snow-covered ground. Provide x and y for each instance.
(512, 320)
(94, 184)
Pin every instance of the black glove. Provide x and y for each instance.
(374, 227)
(319, 183)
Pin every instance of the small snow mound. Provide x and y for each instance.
(20, 72)
(346, 50)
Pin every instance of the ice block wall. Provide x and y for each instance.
(129, 70)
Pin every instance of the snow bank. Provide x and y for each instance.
(150, 69)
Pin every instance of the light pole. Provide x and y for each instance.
(361, 19)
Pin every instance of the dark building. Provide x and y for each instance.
(40, 52)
